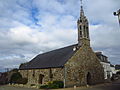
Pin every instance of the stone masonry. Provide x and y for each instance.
(34, 75)
(84, 62)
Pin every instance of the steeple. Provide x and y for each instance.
(83, 28)
(82, 11)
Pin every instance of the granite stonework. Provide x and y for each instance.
(42, 76)
(84, 68)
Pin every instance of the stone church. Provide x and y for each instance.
(74, 65)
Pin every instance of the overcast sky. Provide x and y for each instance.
(31, 27)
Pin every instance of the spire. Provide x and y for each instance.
(81, 3)
(81, 11)
(83, 28)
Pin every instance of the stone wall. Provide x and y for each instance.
(84, 61)
(33, 75)
(24, 73)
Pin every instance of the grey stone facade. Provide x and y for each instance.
(84, 68)
(42, 76)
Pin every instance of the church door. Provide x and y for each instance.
(41, 78)
(89, 79)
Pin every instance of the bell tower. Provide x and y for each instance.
(83, 29)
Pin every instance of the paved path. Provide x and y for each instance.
(113, 86)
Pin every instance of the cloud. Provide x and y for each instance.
(30, 27)
(106, 38)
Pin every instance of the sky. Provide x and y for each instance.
(32, 27)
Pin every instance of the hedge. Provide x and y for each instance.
(16, 78)
(53, 85)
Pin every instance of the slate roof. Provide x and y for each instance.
(117, 67)
(52, 59)
(99, 54)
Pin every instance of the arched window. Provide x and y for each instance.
(84, 31)
(80, 33)
(84, 28)
(87, 32)
(33, 74)
(80, 27)
(50, 74)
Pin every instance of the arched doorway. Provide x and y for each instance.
(88, 78)
(41, 79)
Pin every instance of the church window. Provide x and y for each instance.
(84, 28)
(80, 33)
(80, 20)
(50, 74)
(87, 28)
(33, 73)
(80, 27)
(84, 31)
(87, 32)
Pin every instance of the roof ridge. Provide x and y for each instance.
(58, 49)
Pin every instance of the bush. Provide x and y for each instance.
(22, 81)
(15, 77)
(59, 83)
(50, 82)
(53, 85)
(50, 86)
(44, 86)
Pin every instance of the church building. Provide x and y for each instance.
(76, 64)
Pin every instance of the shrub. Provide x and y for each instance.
(44, 86)
(50, 86)
(59, 83)
(15, 77)
(53, 85)
(50, 82)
